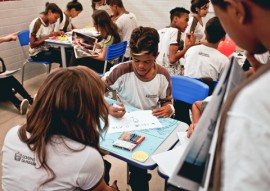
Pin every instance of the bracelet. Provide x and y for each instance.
(172, 108)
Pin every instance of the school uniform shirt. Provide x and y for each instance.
(167, 36)
(126, 23)
(203, 61)
(39, 29)
(73, 169)
(245, 151)
(198, 32)
(137, 92)
(65, 25)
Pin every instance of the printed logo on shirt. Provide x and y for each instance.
(24, 158)
(204, 54)
(151, 96)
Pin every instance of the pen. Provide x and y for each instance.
(120, 101)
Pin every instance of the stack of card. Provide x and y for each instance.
(128, 141)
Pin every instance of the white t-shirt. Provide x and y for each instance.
(64, 25)
(82, 169)
(39, 29)
(198, 32)
(246, 142)
(203, 61)
(126, 23)
(167, 36)
(139, 93)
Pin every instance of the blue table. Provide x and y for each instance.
(156, 141)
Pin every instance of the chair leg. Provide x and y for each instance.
(23, 72)
(127, 175)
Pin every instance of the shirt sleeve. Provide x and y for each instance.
(91, 171)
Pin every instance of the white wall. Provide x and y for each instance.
(17, 15)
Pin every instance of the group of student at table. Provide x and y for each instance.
(70, 104)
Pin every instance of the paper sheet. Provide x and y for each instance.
(8, 73)
(167, 161)
(136, 120)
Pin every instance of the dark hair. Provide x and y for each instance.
(178, 12)
(74, 4)
(118, 3)
(265, 4)
(54, 9)
(94, 4)
(214, 30)
(197, 4)
(144, 39)
(105, 25)
(70, 104)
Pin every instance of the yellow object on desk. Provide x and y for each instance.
(140, 156)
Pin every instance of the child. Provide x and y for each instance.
(74, 8)
(58, 147)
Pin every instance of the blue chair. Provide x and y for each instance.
(114, 51)
(24, 39)
(185, 92)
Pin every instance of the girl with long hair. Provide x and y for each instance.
(108, 34)
(58, 147)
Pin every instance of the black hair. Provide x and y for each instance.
(197, 4)
(54, 9)
(214, 30)
(144, 39)
(178, 12)
(74, 4)
(118, 3)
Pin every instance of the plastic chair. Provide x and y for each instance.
(114, 51)
(186, 91)
(24, 39)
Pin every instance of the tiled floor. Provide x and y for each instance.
(9, 117)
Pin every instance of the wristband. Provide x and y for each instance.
(173, 110)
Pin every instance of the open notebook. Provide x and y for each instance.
(84, 45)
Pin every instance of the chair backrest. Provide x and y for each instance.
(114, 51)
(188, 89)
(3, 66)
(24, 37)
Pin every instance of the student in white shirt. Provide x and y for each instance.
(169, 47)
(74, 8)
(199, 8)
(205, 60)
(58, 146)
(41, 29)
(125, 21)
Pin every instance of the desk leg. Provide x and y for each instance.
(63, 56)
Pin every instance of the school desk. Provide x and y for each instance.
(156, 141)
(62, 45)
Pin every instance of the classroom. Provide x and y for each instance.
(137, 119)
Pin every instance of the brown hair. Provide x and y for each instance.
(144, 39)
(197, 4)
(53, 8)
(105, 25)
(70, 104)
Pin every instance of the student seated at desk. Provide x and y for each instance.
(41, 29)
(109, 35)
(74, 8)
(58, 147)
(143, 84)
